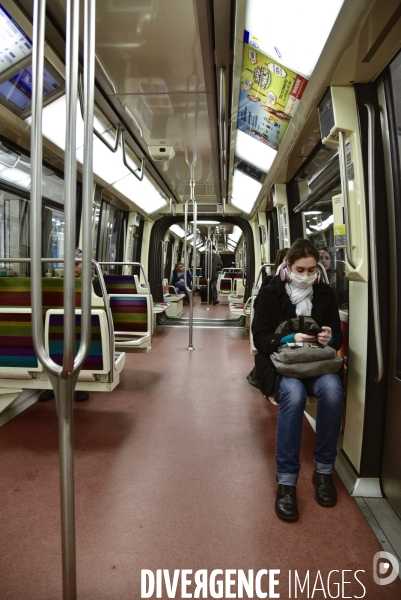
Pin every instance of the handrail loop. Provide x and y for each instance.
(141, 168)
(119, 134)
(223, 125)
(344, 187)
(162, 261)
(372, 241)
(243, 264)
(208, 263)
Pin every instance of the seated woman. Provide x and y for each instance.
(178, 280)
(296, 291)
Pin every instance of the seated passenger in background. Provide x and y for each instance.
(336, 276)
(297, 291)
(179, 277)
(80, 396)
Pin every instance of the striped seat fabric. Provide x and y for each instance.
(16, 347)
(16, 292)
(130, 314)
(132, 320)
(120, 284)
(94, 360)
(225, 285)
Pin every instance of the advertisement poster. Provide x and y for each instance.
(269, 95)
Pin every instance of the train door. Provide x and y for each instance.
(389, 92)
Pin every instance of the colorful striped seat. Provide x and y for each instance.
(120, 284)
(225, 285)
(132, 319)
(18, 362)
(16, 292)
(16, 347)
(55, 328)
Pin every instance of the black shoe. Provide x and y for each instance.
(46, 395)
(325, 491)
(216, 302)
(81, 396)
(252, 379)
(286, 502)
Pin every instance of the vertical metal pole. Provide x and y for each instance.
(190, 292)
(64, 378)
(162, 261)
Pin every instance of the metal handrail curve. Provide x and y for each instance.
(63, 378)
(119, 133)
(373, 242)
(344, 187)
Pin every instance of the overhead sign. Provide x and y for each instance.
(14, 43)
(269, 96)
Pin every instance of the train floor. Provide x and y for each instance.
(175, 470)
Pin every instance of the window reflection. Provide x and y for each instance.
(319, 229)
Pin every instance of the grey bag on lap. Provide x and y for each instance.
(307, 359)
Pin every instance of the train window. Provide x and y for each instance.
(14, 232)
(318, 228)
(318, 182)
(110, 236)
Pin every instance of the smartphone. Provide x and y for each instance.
(315, 330)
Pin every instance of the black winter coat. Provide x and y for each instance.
(274, 307)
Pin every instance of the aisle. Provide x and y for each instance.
(174, 470)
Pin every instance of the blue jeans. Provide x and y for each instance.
(293, 393)
(213, 289)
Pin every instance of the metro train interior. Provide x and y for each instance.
(144, 133)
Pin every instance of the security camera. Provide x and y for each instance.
(161, 150)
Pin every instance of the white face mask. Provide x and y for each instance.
(302, 282)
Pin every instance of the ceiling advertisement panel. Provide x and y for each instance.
(269, 95)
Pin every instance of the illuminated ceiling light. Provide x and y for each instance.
(254, 152)
(313, 212)
(245, 191)
(207, 222)
(299, 43)
(177, 230)
(106, 165)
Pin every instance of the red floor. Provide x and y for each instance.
(173, 470)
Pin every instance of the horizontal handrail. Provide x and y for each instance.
(261, 269)
(119, 133)
(141, 168)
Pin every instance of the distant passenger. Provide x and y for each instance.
(298, 291)
(336, 277)
(280, 257)
(80, 395)
(179, 277)
(217, 265)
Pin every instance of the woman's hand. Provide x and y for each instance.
(303, 337)
(325, 336)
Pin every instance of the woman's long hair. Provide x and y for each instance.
(280, 257)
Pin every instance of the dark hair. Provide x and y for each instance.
(280, 256)
(213, 247)
(324, 249)
(302, 248)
